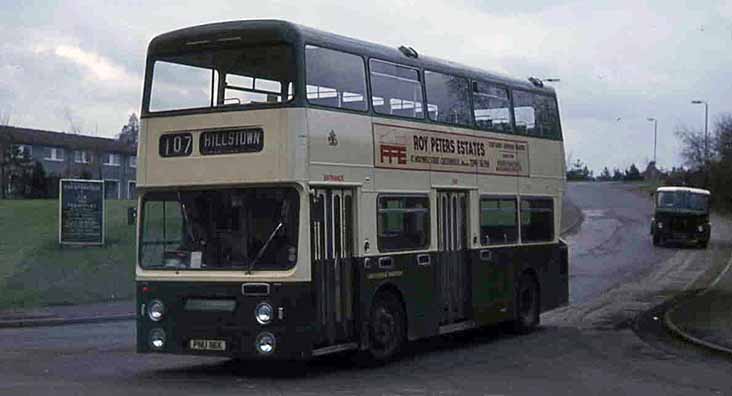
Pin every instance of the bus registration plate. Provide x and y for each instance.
(208, 345)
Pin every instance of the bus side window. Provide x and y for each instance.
(524, 113)
(491, 107)
(396, 90)
(447, 98)
(537, 219)
(498, 221)
(403, 223)
(335, 79)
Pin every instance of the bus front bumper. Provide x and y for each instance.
(218, 320)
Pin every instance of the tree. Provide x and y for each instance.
(617, 175)
(13, 163)
(692, 146)
(579, 172)
(130, 132)
(605, 175)
(723, 138)
(632, 173)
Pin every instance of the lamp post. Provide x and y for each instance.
(655, 137)
(706, 139)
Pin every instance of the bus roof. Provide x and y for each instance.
(684, 189)
(258, 31)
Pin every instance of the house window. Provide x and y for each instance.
(133, 161)
(112, 159)
(82, 157)
(131, 190)
(22, 151)
(54, 154)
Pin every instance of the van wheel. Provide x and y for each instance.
(528, 305)
(656, 240)
(387, 327)
(703, 245)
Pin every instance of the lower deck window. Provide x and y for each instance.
(537, 219)
(498, 221)
(403, 222)
(220, 229)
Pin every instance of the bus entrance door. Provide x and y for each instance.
(452, 240)
(331, 230)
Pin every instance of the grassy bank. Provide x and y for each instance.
(36, 271)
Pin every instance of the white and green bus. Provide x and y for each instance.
(304, 193)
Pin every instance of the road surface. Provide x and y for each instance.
(606, 342)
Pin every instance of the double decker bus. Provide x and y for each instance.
(304, 193)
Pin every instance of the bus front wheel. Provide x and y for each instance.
(387, 329)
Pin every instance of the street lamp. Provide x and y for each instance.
(655, 137)
(706, 127)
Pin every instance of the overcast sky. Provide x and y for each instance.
(619, 61)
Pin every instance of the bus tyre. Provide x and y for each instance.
(656, 240)
(387, 329)
(703, 244)
(528, 306)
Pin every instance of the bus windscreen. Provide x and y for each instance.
(261, 75)
(246, 229)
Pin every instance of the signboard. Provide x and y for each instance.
(419, 149)
(230, 141)
(81, 212)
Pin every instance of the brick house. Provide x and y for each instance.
(65, 155)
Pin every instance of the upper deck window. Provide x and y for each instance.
(396, 90)
(259, 75)
(491, 107)
(536, 114)
(335, 79)
(447, 98)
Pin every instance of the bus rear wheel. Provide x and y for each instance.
(387, 329)
(528, 305)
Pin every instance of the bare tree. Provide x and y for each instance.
(723, 137)
(5, 116)
(74, 124)
(692, 146)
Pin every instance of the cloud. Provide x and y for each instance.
(96, 66)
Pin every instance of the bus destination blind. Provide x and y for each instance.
(231, 141)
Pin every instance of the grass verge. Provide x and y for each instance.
(36, 271)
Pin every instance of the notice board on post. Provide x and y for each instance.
(81, 212)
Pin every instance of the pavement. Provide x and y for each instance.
(705, 317)
(68, 314)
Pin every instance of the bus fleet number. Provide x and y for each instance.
(176, 145)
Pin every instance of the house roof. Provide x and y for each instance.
(19, 135)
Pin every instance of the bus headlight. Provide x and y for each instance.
(264, 313)
(265, 343)
(700, 228)
(659, 225)
(156, 310)
(157, 339)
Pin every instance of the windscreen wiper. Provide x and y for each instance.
(261, 251)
